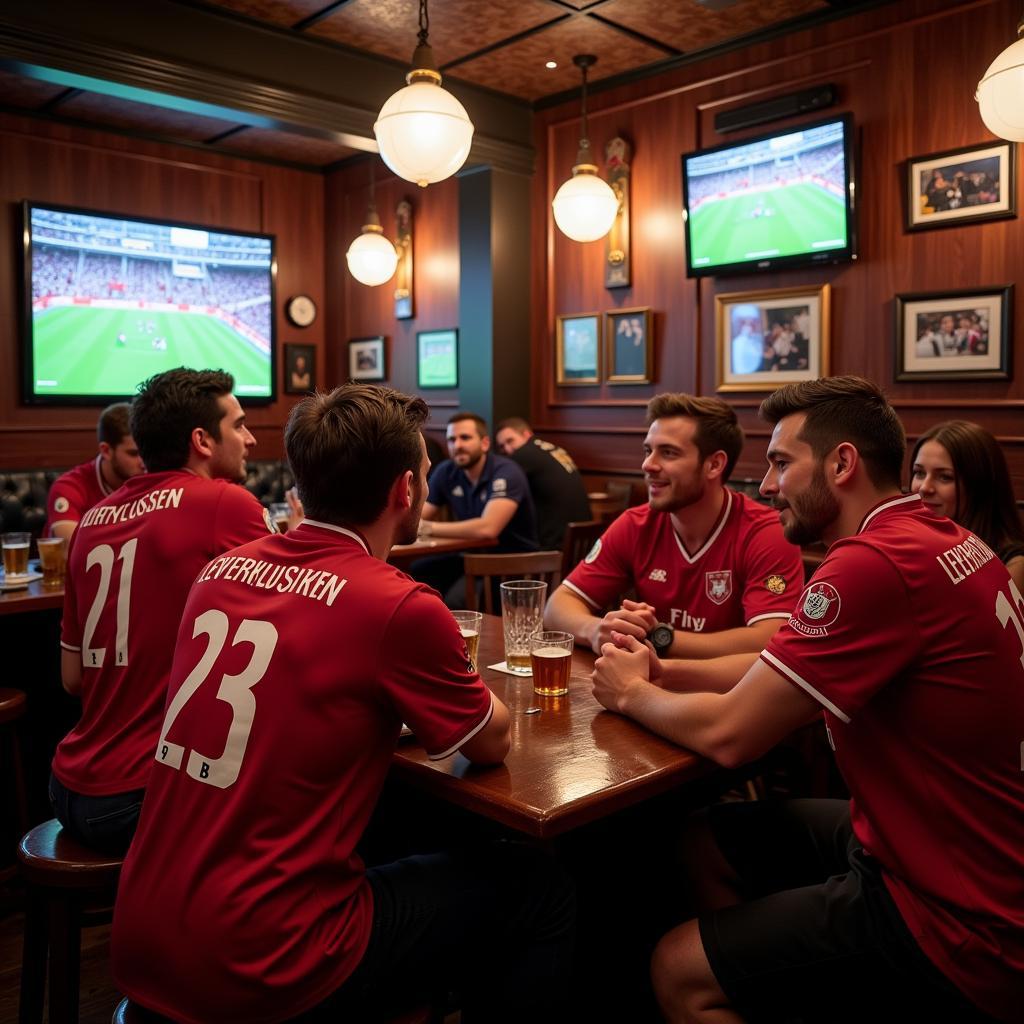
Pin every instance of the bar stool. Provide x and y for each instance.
(13, 705)
(68, 886)
(128, 1012)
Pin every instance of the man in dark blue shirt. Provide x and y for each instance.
(488, 498)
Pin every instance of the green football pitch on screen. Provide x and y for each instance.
(781, 222)
(84, 351)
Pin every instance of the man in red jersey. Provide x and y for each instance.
(298, 660)
(76, 491)
(132, 560)
(709, 566)
(906, 902)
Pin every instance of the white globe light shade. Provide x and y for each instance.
(371, 258)
(423, 133)
(585, 207)
(1000, 94)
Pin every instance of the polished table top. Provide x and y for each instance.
(33, 598)
(570, 763)
(403, 554)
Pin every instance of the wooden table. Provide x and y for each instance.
(33, 598)
(403, 555)
(570, 764)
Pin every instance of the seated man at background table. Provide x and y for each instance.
(905, 902)
(710, 568)
(298, 659)
(76, 491)
(488, 498)
(559, 495)
(132, 560)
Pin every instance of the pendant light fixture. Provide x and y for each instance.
(423, 131)
(1000, 92)
(371, 257)
(585, 205)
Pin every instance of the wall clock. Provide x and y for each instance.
(300, 310)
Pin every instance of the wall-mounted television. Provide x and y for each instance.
(111, 300)
(785, 199)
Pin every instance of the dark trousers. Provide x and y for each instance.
(103, 823)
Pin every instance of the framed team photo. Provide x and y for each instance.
(299, 369)
(765, 339)
(959, 335)
(628, 346)
(437, 359)
(578, 349)
(366, 359)
(973, 184)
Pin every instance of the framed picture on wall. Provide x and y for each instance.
(973, 184)
(578, 348)
(366, 359)
(299, 369)
(437, 359)
(957, 335)
(765, 339)
(629, 348)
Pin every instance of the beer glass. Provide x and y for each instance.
(15, 547)
(279, 512)
(551, 661)
(52, 557)
(522, 615)
(469, 627)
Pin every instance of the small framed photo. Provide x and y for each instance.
(769, 338)
(960, 335)
(578, 349)
(366, 360)
(299, 369)
(628, 356)
(972, 184)
(437, 359)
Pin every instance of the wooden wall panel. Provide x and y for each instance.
(53, 163)
(883, 64)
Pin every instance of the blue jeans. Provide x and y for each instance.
(494, 923)
(103, 823)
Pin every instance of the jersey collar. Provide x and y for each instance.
(104, 487)
(699, 554)
(337, 529)
(903, 499)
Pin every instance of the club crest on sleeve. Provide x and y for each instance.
(594, 552)
(271, 525)
(61, 504)
(500, 486)
(775, 584)
(718, 585)
(817, 610)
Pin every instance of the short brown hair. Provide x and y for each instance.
(114, 424)
(347, 448)
(513, 423)
(481, 423)
(717, 426)
(849, 409)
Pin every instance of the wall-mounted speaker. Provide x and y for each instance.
(818, 98)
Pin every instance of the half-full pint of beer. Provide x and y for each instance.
(550, 671)
(472, 638)
(52, 556)
(470, 624)
(15, 547)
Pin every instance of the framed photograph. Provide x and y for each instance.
(366, 360)
(578, 349)
(973, 184)
(959, 335)
(437, 359)
(629, 347)
(299, 369)
(769, 338)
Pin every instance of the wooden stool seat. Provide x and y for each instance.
(51, 858)
(13, 704)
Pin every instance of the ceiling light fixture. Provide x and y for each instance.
(371, 257)
(551, 64)
(1000, 92)
(585, 205)
(423, 131)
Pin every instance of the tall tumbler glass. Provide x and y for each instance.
(522, 615)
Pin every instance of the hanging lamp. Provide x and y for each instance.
(423, 132)
(1000, 92)
(585, 205)
(371, 257)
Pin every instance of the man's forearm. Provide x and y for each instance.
(569, 613)
(705, 675)
(688, 719)
(471, 529)
(741, 640)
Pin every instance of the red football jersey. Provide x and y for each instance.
(73, 493)
(911, 635)
(130, 565)
(299, 657)
(746, 571)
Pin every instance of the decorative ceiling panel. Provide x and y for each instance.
(275, 12)
(275, 145)
(112, 111)
(31, 93)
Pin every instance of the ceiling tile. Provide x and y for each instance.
(276, 12)
(688, 25)
(457, 27)
(519, 68)
(276, 145)
(31, 93)
(112, 111)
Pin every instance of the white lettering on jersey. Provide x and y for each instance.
(168, 497)
(316, 584)
(684, 620)
(961, 561)
(658, 575)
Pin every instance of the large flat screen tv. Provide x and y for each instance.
(779, 200)
(111, 300)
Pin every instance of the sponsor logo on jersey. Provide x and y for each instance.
(658, 575)
(594, 552)
(61, 504)
(500, 486)
(776, 584)
(718, 585)
(682, 619)
(457, 491)
(817, 610)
